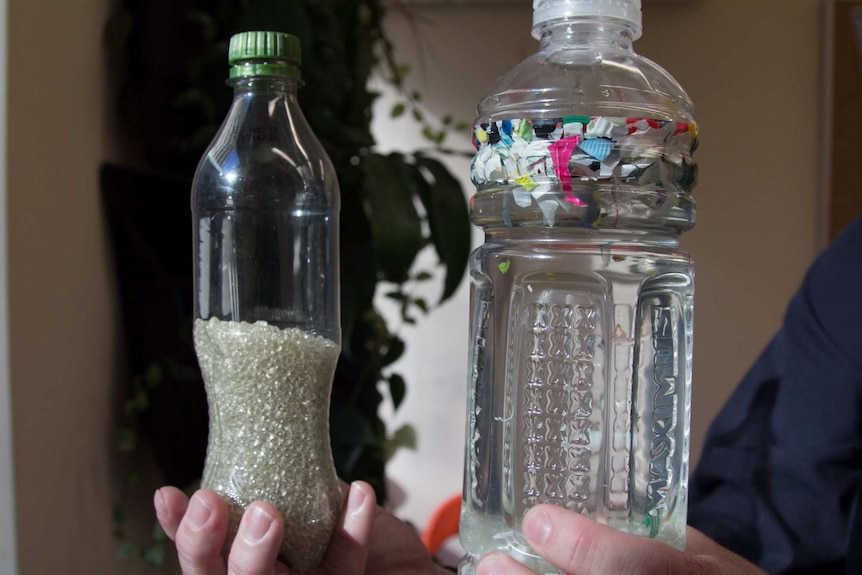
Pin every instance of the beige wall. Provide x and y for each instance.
(752, 69)
(62, 307)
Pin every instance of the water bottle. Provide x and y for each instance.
(582, 302)
(267, 331)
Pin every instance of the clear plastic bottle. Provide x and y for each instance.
(582, 302)
(267, 332)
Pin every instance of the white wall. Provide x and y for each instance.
(756, 90)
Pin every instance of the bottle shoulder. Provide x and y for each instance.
(265, 153)
(561, 79)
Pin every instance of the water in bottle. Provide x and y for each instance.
(582, 301)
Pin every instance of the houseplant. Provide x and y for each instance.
(168, 65)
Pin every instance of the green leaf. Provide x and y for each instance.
(358, 265)
(395, 225)
(154, 375)
(397, 296)
(141, 401)
(349, 426)
(423, 277)
(449, 222)
(401, 72)
(131, 479)
(421, 304)
(404, 436)
(126, 439)
(346, 464)
(394, 350)
(418, 184)
(398, 110)
(417, 115)
(429, 134)
(126, 550)
(405, 312)
(154, 555)
(397, 389)
(159, 534)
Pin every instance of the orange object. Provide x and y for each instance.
(442, 524)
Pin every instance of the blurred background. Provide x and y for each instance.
(760, 74)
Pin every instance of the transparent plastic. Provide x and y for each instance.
(546, 11)
(265, 206)
(581, 300)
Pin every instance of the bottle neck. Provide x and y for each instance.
(590, 32)
(265, 84)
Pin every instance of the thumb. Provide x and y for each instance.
(580, 546)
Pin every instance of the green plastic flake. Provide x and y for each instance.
(525, 130)
(652, 522)
(579, 119)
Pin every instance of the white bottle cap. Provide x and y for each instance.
(627, 10)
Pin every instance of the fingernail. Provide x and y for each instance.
(490, 566)
(537, 526)
(198, 513)
(256, 524)
(355, 498)
(158, 501)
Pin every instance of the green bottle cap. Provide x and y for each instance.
(264, 54)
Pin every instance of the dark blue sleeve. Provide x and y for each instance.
(780, 469)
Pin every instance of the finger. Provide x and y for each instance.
(580, 546)
(500, 564)
(348, 552)
(257, 541)
(699, 544)
(170, 504)
(201, 535)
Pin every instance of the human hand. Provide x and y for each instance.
(580, 546)
(368, 540)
